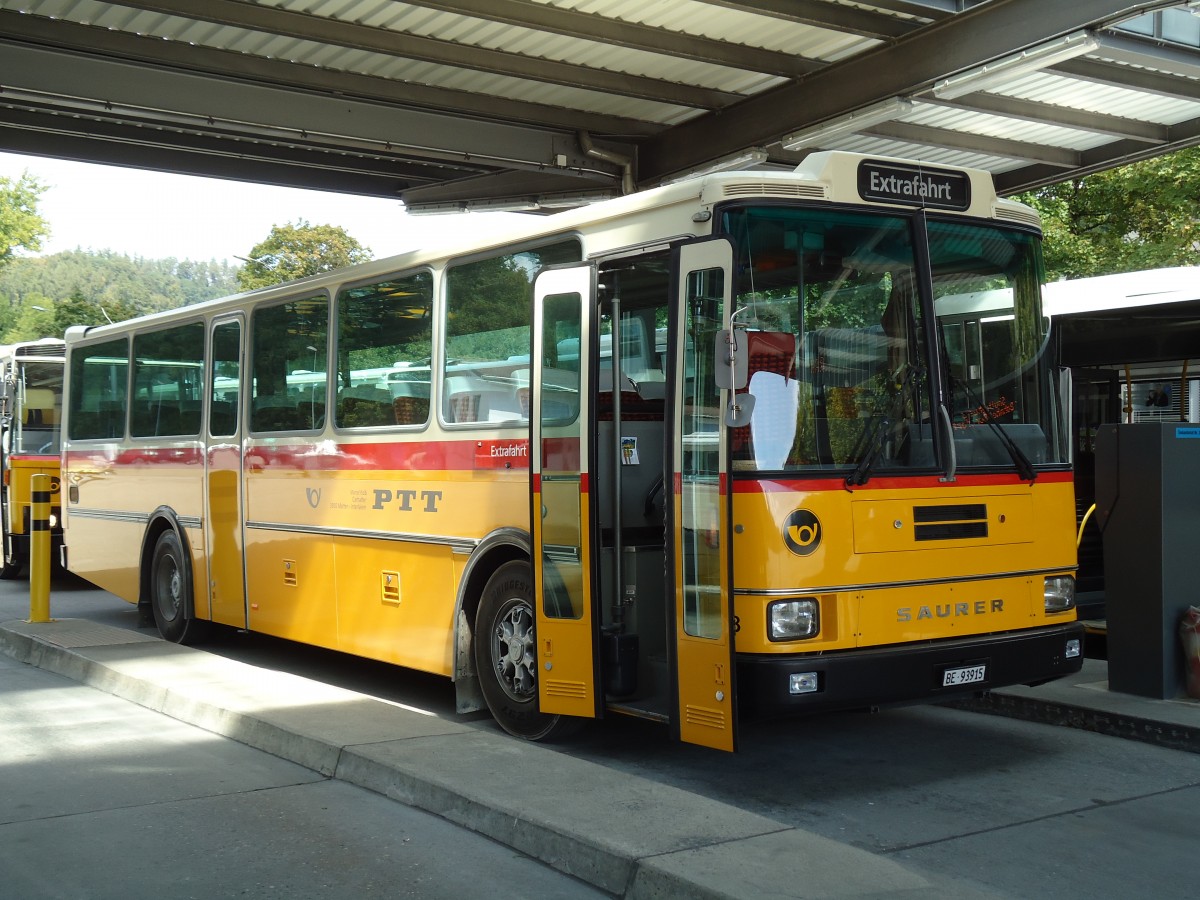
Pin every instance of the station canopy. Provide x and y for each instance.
(545, 104)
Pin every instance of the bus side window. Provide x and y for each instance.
(98, 375)
(167, 371)
(383, 345)
(487, 331)
(288, 362)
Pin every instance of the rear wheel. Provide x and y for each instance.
(506, 656)
(171, 592)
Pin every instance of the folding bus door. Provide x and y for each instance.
(560, 463)
(223, 514)
(700, 529)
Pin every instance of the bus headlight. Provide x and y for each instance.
(792, 620)
(1059, 593)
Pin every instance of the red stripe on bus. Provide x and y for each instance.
(811, 485)
(417, 456)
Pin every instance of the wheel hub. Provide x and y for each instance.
(513, 652)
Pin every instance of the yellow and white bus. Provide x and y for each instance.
(31, 389)
(704, 451)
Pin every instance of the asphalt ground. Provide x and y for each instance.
(628, 836)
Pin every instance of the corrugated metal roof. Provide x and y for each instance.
(460, 101)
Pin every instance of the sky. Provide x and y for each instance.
(156, 215)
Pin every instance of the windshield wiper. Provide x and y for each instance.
(862, 471)
(1020, 460)
(874, 438)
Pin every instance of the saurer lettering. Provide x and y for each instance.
(949, 610)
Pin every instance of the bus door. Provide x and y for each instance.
(223, 513)
(560, 515)
(700, 529)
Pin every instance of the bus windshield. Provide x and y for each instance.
(36, 428)
(839, 316)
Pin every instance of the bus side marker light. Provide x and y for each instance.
(803, 683)
(790, 620)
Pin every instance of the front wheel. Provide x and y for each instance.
(171, 592)
(506, 656)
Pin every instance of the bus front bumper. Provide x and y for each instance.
(906, 673)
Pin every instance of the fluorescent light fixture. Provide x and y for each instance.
(510, 204)
(743, 160)
(1008, 68)
(875, 114)
(434, 209)
(570, 201)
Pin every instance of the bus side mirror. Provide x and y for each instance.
(731, 363)
(739, 410)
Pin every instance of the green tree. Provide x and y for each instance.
(77, 309)
(1140, 216)
(82, 287)
(21, 228)
(298, 250)
(32, 322)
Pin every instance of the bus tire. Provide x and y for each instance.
(171, 592)
(506, 656)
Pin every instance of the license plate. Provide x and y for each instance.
(963, 675)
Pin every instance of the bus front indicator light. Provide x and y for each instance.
(793, 620)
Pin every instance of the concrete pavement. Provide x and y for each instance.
(103, 799)
(631, 837)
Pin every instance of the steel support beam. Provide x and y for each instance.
(907, 66)
(620, 33)
(282, 115)
(1098, 159)
(1067, 117)
(86, 40)
(325, 30)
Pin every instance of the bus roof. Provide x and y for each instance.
(1122, 291)
(662, 214)
(1133, 318)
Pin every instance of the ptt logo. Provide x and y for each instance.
(802, 532)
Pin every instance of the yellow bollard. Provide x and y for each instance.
(39, 550)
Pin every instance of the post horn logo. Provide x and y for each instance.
(314, 497)
(802, 532)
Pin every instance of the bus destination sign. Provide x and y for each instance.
(887, 182)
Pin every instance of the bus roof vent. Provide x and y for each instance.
(807, 190)
(52, 350)
(1015, 212)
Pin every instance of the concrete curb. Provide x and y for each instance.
(631, 837)
(1176, 736)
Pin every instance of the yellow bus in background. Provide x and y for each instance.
(718, 449)
(31, 388)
